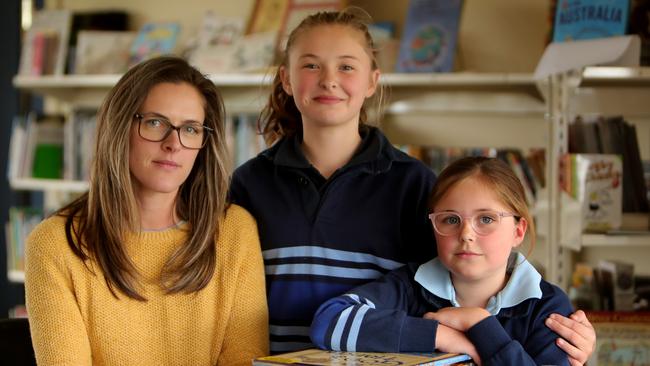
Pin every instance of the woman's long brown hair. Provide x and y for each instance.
(98, 221)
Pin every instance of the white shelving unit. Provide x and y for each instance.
(606, 91)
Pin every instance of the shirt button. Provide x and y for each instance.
(302, 181)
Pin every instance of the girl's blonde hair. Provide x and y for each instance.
(499, 178)
(280, 117)
(96, 222)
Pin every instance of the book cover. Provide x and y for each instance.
(317, 357)
(430, 35)
(154, 39)
(595, 180)
(623, 338)
(103, 52)
(588, 19)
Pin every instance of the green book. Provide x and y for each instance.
(48, 161)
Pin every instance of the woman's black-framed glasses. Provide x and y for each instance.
(154, 128)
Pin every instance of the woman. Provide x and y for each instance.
(151, 266)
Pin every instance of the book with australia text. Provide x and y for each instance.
(588, 19)
(317, 357)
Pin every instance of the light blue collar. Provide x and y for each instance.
(523, 283)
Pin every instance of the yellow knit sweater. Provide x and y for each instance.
(75, 320)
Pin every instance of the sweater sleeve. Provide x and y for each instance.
(247, 334)
(57, 328)
(539, 346)
(375, 317)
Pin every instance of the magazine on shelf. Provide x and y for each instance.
(318, 357)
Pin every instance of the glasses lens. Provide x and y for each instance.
(154, 128)
(486, 222)
(447, 223)
(192, 135)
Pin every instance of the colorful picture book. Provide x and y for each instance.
(596, 182)
(588, 19)
(430, 35)
(317, 357)
(154, 39)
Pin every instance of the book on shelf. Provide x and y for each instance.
(532, 179)
(21, 222)
(17, 142)
(103, 52)
(48, 148)
(212, 50)
(317, 357)
(247, 141)
(45, 44)
(588, 19)
(18, 311)
(595, 182)
(154, 39)
(613, 135)
(78, 148)
(297, 10)
(36, 147)
(96, 21)
(277, 18)
(429, 37)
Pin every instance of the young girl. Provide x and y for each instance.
(336, 204)
(151, 266)
(477, 289)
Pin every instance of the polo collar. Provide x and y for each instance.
(288, 151)
(524, 283)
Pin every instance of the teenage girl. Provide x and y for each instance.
(336, 204)
(477, 297)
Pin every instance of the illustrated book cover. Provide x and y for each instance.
(430, 35)
(317, 357)
(588, 19)
(103, 52)
(154, 39)
(596, 182)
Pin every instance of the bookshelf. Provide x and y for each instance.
(606, 91)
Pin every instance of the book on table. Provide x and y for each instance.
(318, 357)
